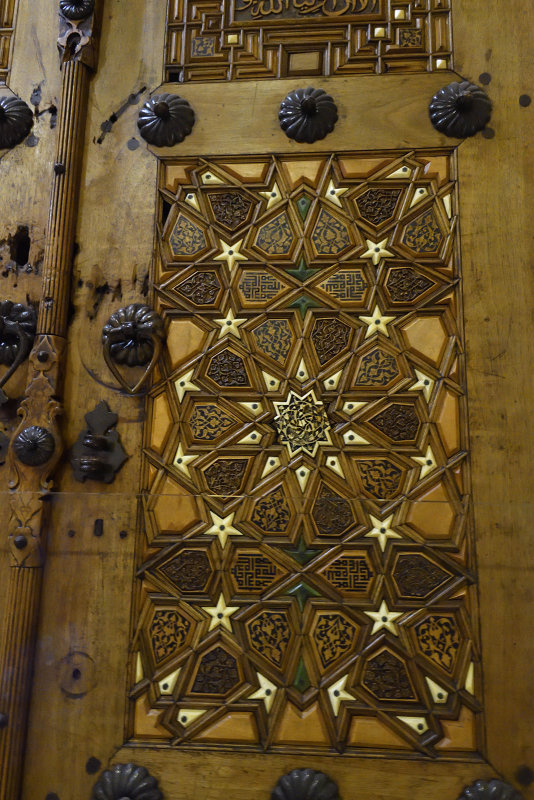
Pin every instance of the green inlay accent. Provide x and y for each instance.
(303, 304)
(303, 591)
(303, 206)
(303, 272)
(301, 681)
(301, 553)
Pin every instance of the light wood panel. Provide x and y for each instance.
(244, 115)
(496, 200)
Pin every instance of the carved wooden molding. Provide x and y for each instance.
(36, 445)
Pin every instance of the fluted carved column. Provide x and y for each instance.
(36, 445)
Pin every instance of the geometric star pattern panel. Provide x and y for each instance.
(306, 573)
(240, 39)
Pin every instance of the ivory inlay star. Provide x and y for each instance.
(382, 531)
(384, 618)
(220, 614)
(230, 253)
(377, 323)
(376, 250)
(222, 527)
(230, 325)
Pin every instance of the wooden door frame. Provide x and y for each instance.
(494, 217)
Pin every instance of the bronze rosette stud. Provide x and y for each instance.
(307, 115)
(133, 337)
(126, 782)
(16, 120)
(165, 120)
(460, 109)
(305, 784)
(17, 331)
(34, 446)
(76, 10)
(490, 790)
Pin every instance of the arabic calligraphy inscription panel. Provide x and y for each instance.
(240, 39)
(307, 555)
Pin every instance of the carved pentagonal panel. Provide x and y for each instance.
(423, 235)
(307, 552)
(377, 206)
(217, 673)
(231, 209)
(208, 421)
(398, 421)
(377, 369)
(187, 238)
(225, 475)
(332, 513)
(387, 678)
(438, 639)
(330, 337)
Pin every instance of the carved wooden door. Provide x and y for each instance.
(301, 542)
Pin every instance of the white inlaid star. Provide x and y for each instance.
(337, 693)
(382, 531)
(230, 325)
(427, 462)
(424, 383)
(220, 614)
(273, 196)
(376, 250)
(222, 527)
(334, 194)
(185, 384)
(266, 692)
(384, 618)
(230, 253)
(181, 461)
(378, 322)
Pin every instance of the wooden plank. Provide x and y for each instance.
(496, 200)
(190, 775)
(372, 113)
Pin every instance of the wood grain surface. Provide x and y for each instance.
(77, 729)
